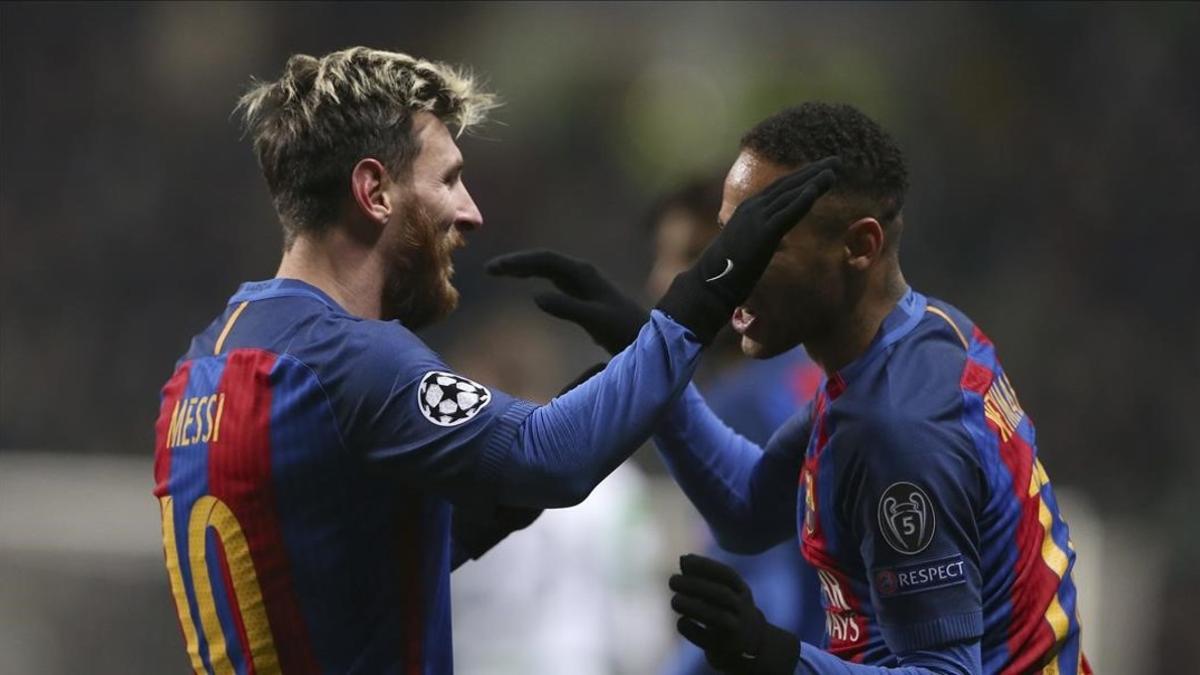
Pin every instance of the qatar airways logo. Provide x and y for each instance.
(841, 621)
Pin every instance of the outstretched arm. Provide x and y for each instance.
(746, 494)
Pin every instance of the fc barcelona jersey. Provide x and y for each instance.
(925, 507)
(298, 534)
(922, 504)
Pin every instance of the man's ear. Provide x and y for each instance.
(863, 243)
(368, 181)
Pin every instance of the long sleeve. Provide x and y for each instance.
(562, 450)
(745, 494)
(438, 431)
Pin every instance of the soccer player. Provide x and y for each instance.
(313, 456)
(921, 499)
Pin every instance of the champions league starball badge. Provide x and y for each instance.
(448, 400)
(906, 518)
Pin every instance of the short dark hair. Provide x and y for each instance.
(312, 125)
(872, 165)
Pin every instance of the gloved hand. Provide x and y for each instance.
(719, 616)
(587, 299)
(701, 297)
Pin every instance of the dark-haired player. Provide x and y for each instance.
(313, 456)
(921, 500)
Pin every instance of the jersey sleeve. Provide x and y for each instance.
(401, 407)
(917, 489)
(405, 409)
(745, 493)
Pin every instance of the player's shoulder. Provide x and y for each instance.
(336, 343)
(923, 371)
(912, 397)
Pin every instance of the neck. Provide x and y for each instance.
(852, 334)
(344, 269)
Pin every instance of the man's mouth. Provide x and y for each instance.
(741, 320)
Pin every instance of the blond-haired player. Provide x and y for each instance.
(320, 470)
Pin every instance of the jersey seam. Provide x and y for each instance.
(337, 426)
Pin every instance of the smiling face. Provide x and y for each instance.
(805, 284)
(435, 214)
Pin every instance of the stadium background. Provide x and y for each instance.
(1054, 157)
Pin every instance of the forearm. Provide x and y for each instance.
(721, 473)
(562, 450)
(958, 659)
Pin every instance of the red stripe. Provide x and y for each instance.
(172, 393)
(239, 474)
(1029, 635)
(412, 596)
(232, 603)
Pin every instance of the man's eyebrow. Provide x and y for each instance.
(456, 167)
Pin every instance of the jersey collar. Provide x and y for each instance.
(281, 288)
(903, 318)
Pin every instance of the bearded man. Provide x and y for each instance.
(319, 469)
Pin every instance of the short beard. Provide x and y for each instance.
(418, 291)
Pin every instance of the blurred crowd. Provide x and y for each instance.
(1054, 154)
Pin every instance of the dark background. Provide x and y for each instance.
(1053, 150)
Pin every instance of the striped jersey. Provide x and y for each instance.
(320, 474)
(926, 510)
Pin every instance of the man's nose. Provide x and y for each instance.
(469, 217)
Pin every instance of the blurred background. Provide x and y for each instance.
(1054, 157)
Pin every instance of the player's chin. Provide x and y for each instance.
(759, 350)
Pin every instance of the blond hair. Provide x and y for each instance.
(312, 125)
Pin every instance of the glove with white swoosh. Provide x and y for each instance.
(702, 297)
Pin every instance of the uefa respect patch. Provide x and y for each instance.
(917, 577)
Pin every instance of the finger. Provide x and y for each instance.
(785, 197)
(798, 178)
(801, 203)
(697, 587)
(563, 270)
(706, 613)
(567, 308)
(696, 633)
(707, 568)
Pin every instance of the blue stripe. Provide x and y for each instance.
(323, 528)
(997, 552)
(188, 482)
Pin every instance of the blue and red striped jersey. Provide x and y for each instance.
(922, 503)
(289, 545)
(309, 465)
(926, 509)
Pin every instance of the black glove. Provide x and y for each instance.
(703, 296)
(720, 617)
(588, 299)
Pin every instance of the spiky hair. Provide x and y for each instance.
(312, 125)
